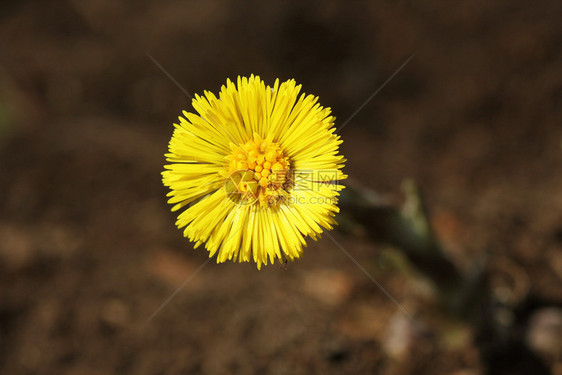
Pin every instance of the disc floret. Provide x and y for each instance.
(258, 172)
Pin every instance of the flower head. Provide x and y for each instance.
(255, 172)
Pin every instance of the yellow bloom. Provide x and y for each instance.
(255, 171)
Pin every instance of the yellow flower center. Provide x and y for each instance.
(258, 172)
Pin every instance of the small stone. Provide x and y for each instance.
(544, 334)
(328, 286)
(115, 313)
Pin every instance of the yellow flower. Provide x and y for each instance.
(255, 172)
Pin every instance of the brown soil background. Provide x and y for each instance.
(88, 247)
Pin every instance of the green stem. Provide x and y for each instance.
(409, 230)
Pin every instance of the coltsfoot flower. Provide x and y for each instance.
(255, 172)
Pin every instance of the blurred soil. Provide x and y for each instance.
(88, 248)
